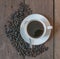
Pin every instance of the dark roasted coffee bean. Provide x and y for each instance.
(12, 30)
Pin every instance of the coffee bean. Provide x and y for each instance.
(12, 30)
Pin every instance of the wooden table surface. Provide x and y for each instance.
(44, 7)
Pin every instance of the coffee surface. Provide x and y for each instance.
(35, 29)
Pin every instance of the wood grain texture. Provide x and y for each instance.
(44, 7)
(57, 29)
(7, 7)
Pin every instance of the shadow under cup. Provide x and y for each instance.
(35, 29)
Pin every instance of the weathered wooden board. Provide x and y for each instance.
(44, 7)
(7, 7)
(57, 29)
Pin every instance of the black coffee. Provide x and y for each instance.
(35, 29)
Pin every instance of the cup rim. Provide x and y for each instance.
(42, 33)
(28, 33)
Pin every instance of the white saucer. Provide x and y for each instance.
(27, 38)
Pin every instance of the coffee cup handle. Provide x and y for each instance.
(49, 27)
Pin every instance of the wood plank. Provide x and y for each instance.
(7, 7)
(57, 29)
(44, 7)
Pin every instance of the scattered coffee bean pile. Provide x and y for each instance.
(12, 30)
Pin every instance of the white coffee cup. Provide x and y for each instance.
(47, 29)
